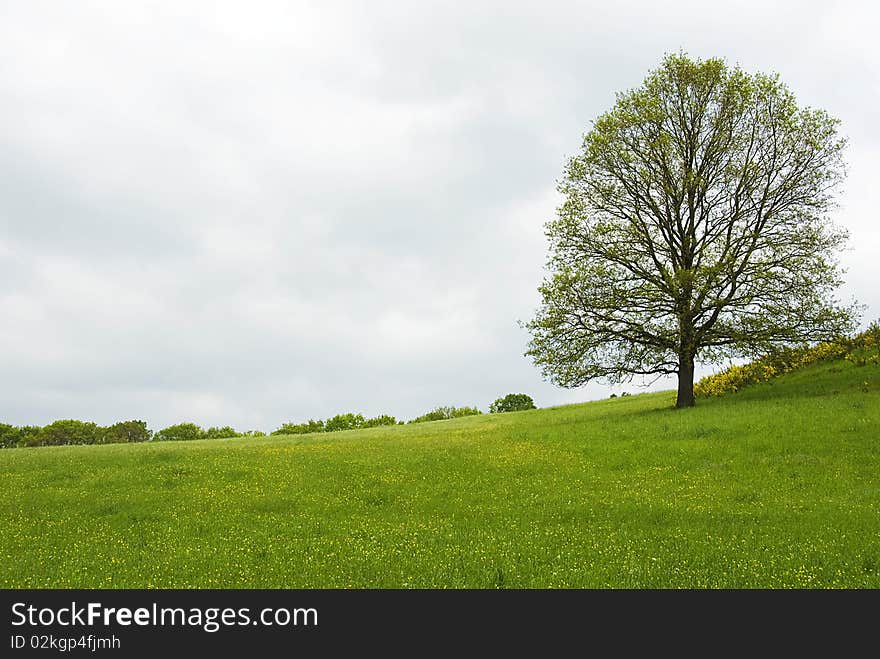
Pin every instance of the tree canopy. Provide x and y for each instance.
(512, 403)
(695, 227)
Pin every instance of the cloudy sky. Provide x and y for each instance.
(248, 213)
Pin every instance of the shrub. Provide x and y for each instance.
(442, 413)
(253, 433)
(344, 422)
(512, 403)
(382, 420)
(299, 428)
(349, 421)
(862, 349)
(179, 432)
(219, 433)
(127, 431)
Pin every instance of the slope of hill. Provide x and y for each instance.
(775, 486)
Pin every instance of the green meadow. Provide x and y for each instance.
(775, 486)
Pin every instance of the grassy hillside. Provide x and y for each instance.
(776, 486)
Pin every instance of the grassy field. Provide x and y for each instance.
(776, 486)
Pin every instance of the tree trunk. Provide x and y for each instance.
(685, 382)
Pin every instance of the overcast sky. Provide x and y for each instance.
(252, 212)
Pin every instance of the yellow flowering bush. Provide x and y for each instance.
(860, 350)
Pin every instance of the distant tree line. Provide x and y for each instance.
(188, 431)
(512, 403)
(71, 432)
(442, 413)
(349, 421)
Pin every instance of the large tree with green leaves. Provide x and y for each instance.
(695, 226)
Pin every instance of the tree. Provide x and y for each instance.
(381, 420)
(219, 433)
(348, 421)
(694, 227)
(9, 436)
(70, 431)
(128, 431)
(512, 403)
(30, 436)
